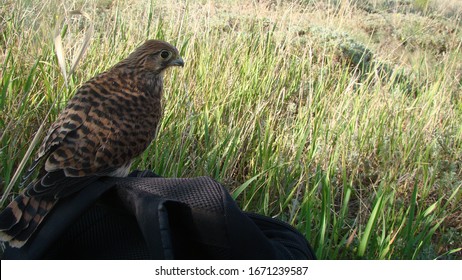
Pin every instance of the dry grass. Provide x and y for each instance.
(340, 117)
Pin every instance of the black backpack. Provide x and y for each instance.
(144, 216)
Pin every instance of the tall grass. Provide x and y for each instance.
(360, 164)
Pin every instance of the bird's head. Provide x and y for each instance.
(154, 56)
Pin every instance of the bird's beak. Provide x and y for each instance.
(177, 62)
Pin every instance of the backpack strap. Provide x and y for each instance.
(152, 217)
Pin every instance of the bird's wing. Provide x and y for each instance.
(78, 147)
(54, 137)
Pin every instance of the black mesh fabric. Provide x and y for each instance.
(102, 232)
(199, 193)
(148, 217)
(193, 211)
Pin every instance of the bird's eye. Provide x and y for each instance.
(165, 54)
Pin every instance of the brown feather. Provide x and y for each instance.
(111, 119)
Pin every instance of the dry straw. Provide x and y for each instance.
(61, 55)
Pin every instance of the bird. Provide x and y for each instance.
(110, 120)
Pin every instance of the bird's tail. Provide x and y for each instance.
(20, 219)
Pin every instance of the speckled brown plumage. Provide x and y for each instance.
(111, 119)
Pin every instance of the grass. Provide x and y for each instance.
(342, 118)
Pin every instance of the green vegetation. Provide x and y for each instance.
(343, 118)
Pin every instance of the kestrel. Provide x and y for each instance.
(111, 119)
